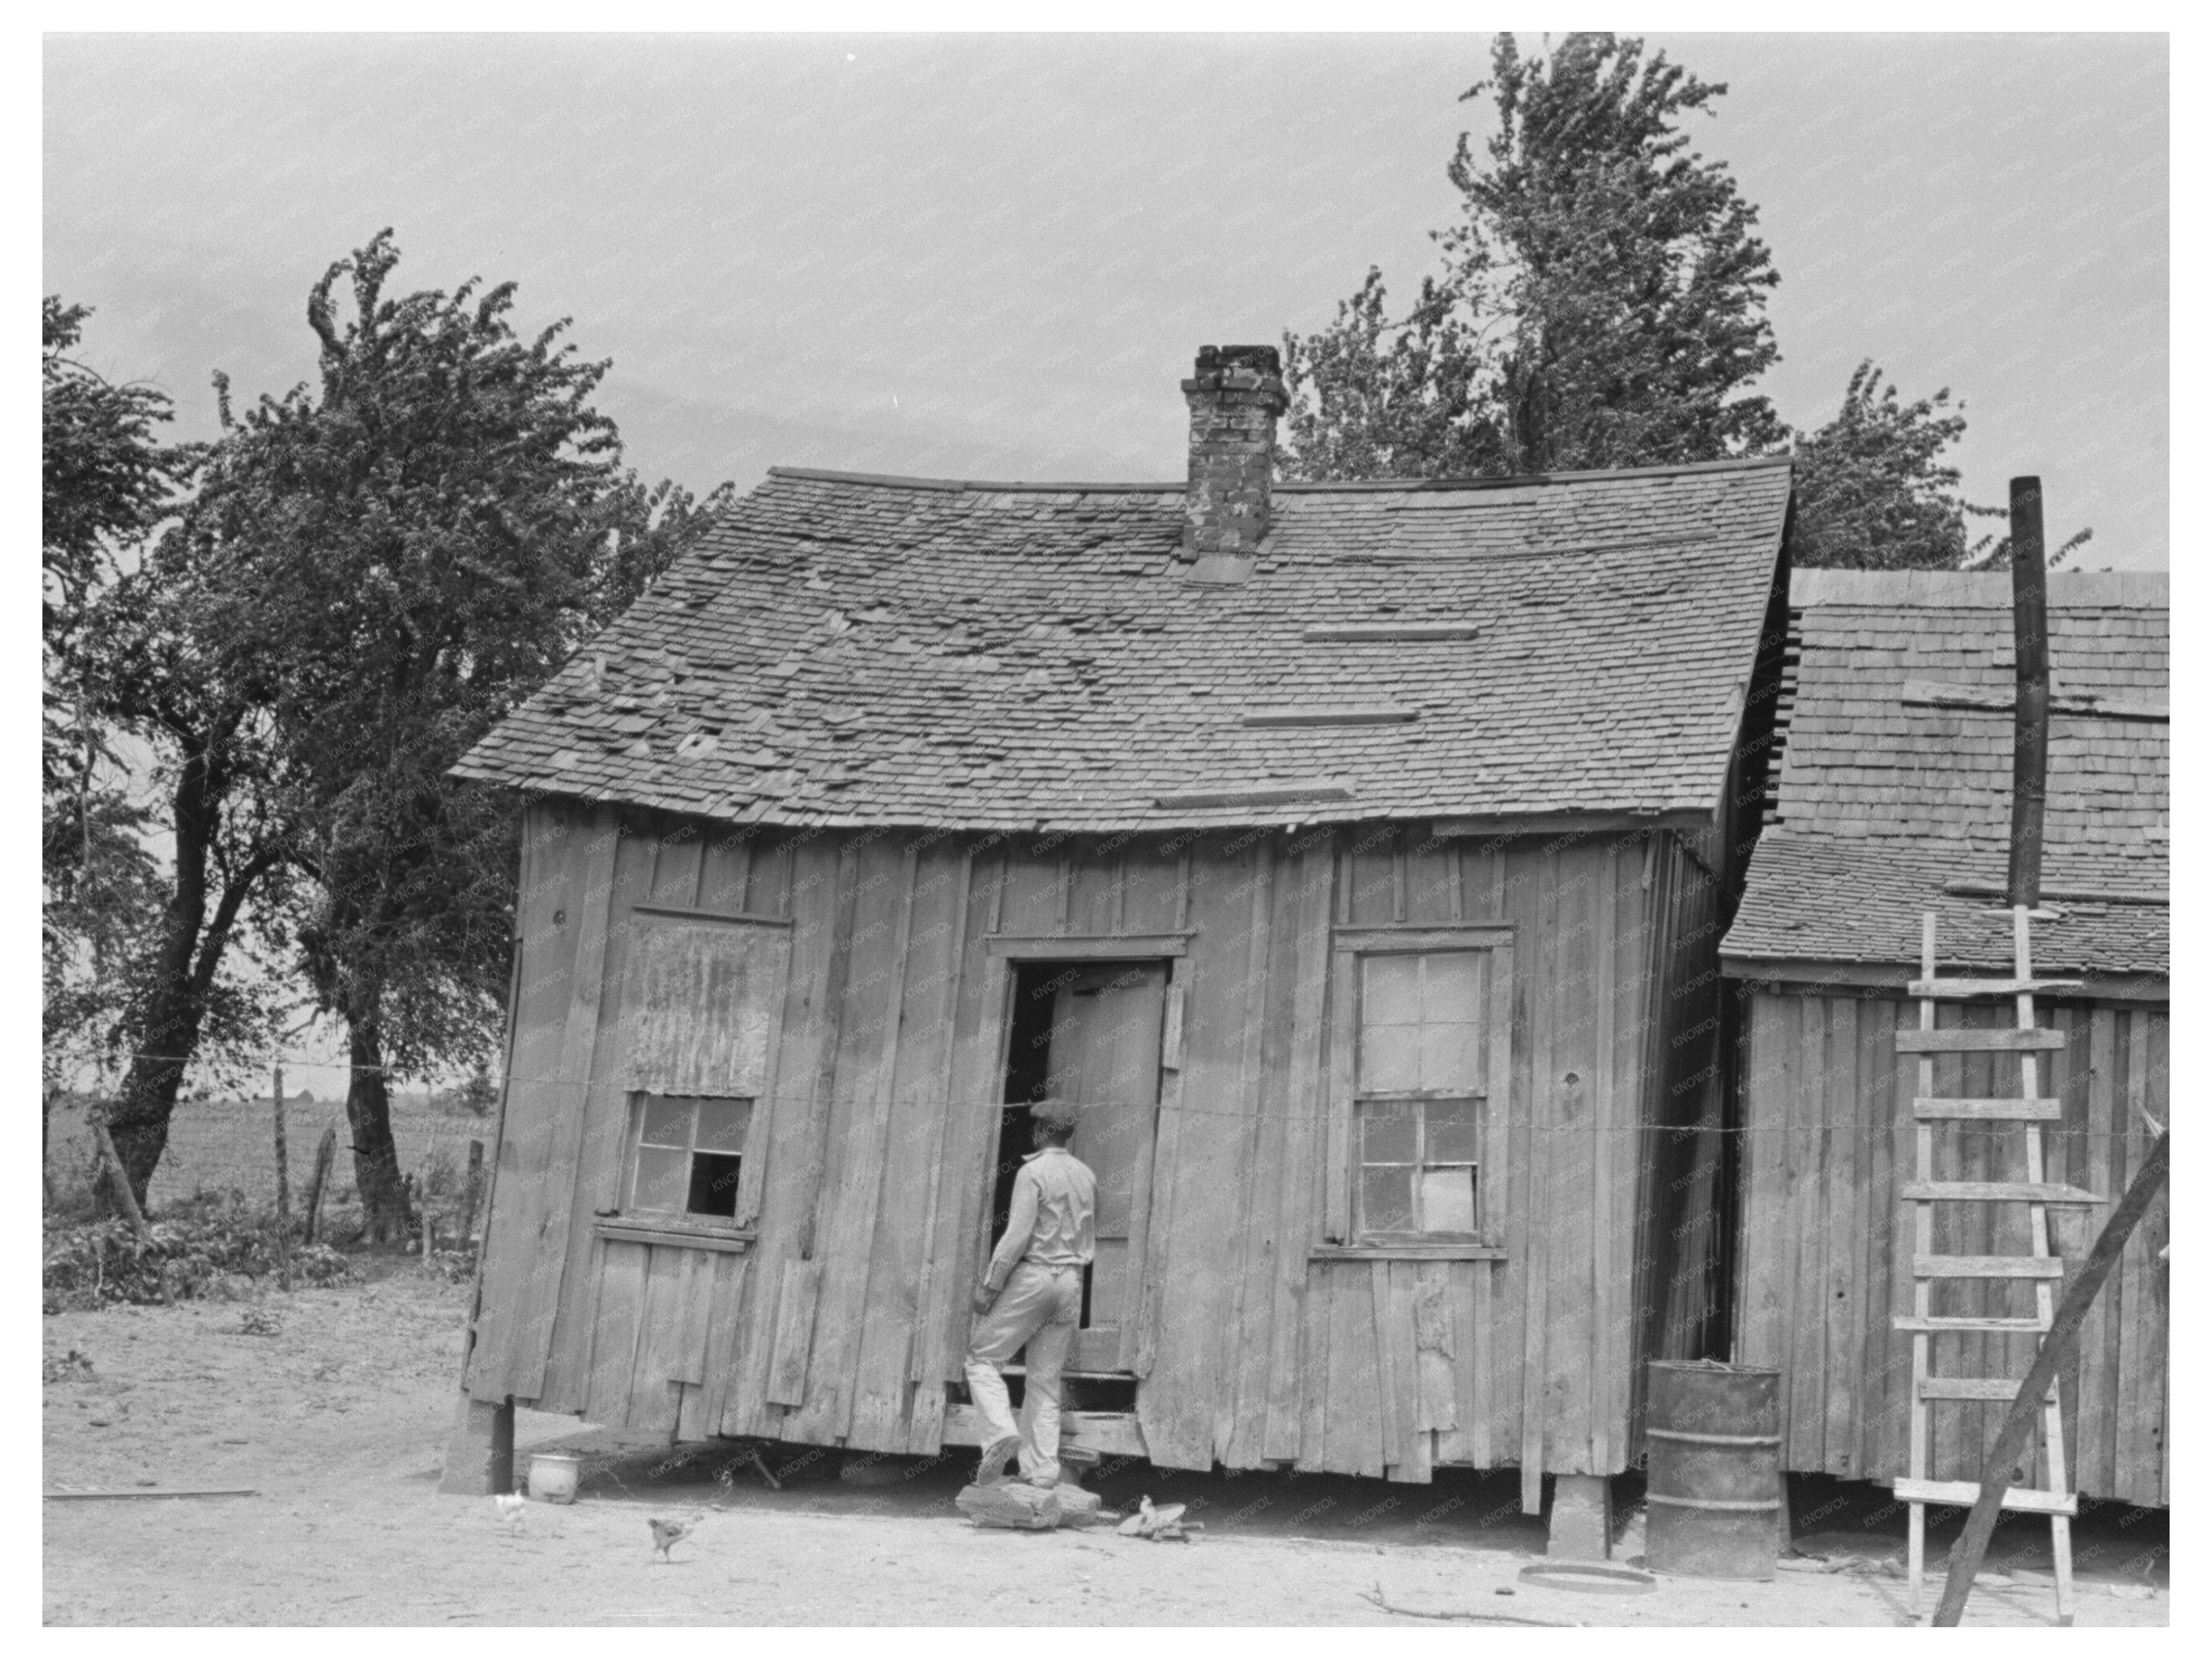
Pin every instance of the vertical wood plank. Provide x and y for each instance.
(1389, 1403)
(589, 1172)
(1535, 1404)
(726, 1313)
(1354, 1429)
(926, 1412)
(1253, 1145)
(603, 1387)
(1297, 1218)
(2094, 1430)
(1316, 1320)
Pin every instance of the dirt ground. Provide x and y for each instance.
(338, 1422)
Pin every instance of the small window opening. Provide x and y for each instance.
(690, 1153)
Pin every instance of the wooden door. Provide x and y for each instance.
(1105, 1057)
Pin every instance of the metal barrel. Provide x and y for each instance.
(1713, 1469)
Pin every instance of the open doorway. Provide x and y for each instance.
(1090, 1032)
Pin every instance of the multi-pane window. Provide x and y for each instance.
(688, 1153)
(1420, 1091)
(1423, 1040)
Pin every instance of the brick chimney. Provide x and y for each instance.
(1235, 396)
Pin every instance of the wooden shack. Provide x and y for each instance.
(1892, 798)
(1353, 853)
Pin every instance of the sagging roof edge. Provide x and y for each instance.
(1804, 975)
(1335, 815)
(1332, 486)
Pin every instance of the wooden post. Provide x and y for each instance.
(422, 1197)
(2058, 1349)
(283, 1167)
(2030, 732)
(119, 1181)
(475, 1191)
(326, 1152)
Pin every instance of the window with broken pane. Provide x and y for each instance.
(688, 1152)
(1420, 1070)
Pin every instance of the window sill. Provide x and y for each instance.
(639, 1231)
(1444, 1249)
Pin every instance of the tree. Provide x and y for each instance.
(106, 480)
(405, 554)
(1602, 302)
(134, 954)
(1873, 492)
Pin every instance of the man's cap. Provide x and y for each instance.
(1059, 1116)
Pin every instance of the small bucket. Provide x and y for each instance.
(553, 1476)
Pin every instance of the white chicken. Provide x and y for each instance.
(510, 1506)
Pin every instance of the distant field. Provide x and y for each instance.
(214, 1145)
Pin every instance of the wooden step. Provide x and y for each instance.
(1940, 1324)
(1997, 1192)
(1964, 1492)
(1979, 1040)
(1974, 1388)
(1966, 990)
(1987, 1267)
(1961, 1107)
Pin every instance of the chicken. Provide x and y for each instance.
(666, 1535)
(510, 1507)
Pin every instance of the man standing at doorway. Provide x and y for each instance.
(1033, 1297)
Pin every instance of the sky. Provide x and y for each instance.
(993, 255)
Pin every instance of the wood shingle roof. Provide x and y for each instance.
(1884, 799)
(854, 651)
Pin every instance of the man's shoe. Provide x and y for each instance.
(996, 1456)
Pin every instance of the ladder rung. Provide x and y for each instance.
(1964, 1492)
(1974, 1388)
(1979, 1040)
(1961, 990)
(1987, 1267)
(1997, 1192)
(1939, 1106)
(1938, 1324)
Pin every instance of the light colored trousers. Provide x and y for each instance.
(1038, 1310)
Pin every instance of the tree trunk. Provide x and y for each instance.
(375, 1158)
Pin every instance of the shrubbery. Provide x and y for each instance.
(91, 1264)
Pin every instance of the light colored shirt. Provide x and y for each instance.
(1050, 1220)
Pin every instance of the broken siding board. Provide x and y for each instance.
(560, 1264)
(603, 1389)
(1435, 1405)
(795, 1305)
(653, 1400)
(553, 864)
(859, 1087)
(725, 1311)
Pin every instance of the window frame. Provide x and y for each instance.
(627, 1208)
(1350, 947)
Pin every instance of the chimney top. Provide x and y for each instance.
(1235, 395)
(1245, 369)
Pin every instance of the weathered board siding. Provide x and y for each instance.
(847, 1316)
(1826, 1262)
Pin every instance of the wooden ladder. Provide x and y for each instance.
(2031, 1110)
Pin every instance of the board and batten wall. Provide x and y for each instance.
(848, 1315)
(1826, 1260)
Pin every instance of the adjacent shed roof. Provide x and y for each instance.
(1883, 801)
(852, 650)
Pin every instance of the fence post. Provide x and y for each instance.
(474, 1192)
(326, 1151)
(120, 1182)
(283, 1162)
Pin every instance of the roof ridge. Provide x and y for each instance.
(1506, 481)
(1975, 590)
